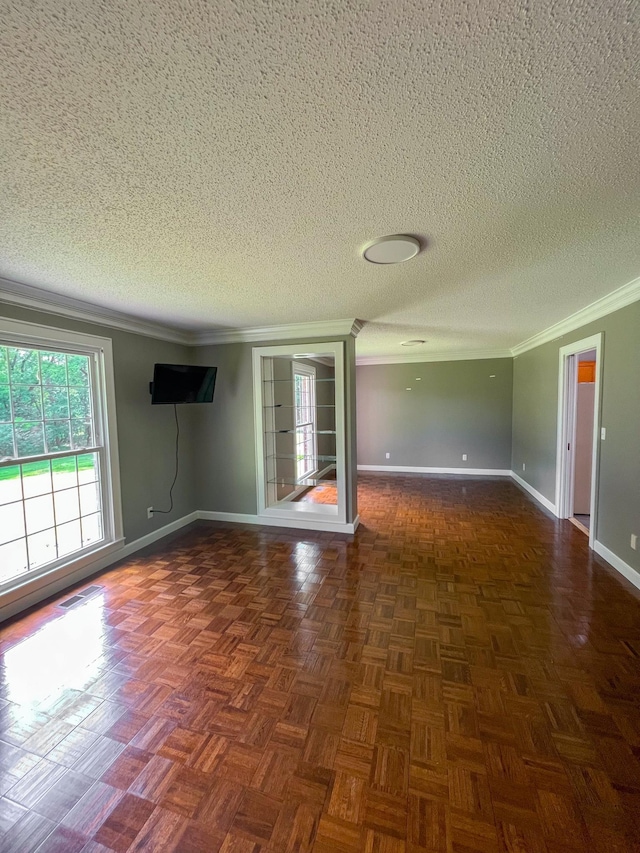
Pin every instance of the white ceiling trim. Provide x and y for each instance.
(620, 298)
(287, 332)
(27, 296)
(432, 356)
(37, 299)
(615, 300)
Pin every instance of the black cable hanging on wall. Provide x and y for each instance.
(167, 511)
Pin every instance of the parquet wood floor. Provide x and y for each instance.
(461, 675)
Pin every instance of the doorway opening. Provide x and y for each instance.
(579, 433)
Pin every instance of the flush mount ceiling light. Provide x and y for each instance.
(414, 343)
(393, 249)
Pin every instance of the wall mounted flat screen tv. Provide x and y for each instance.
(183, 383)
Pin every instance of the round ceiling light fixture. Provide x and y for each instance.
(393, 249)
(414, 343)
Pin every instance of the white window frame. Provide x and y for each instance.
(297, 368)
(100, 352)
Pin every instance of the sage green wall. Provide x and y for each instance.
(455, 408)
(146, 433)
(535, 412)
(225, 474)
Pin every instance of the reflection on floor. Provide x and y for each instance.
(323, 493)
(459, 675)
(585, 520)
(326, 493)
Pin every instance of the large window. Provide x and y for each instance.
(56, 493)
(304, 388)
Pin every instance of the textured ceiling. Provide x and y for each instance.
(220, 164)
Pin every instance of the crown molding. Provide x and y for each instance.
(432, 356)
(620, 298)
(289, 331)
(37, 299)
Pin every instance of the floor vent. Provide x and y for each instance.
(79, 597)
(76, 599)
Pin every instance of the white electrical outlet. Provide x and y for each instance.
(603, 433)
(464, 457)
(634, 541)
(524, 466)
(149, 512)
(388, 455)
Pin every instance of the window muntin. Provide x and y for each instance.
(52, 457)
(304, 389)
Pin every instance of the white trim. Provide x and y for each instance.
(100, 351)
(165, 530)
(262, 358)
(285, 523)
(618, 563)
(620, 298)
(50, 334)
(613, 301)
(473, 472)
(416, 358)
(566, 421)
(309, 371)
(412, 469)
(286, 332)
(35, 590)
(535, 494)
(40, 299)
(37, 299)
(109, 418)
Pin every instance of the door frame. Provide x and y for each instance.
(287, 513)
(565, 448)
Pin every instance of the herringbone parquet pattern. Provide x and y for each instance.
(462, 675)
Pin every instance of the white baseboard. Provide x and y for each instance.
(34, 590)
(301, 524)
(618, 564)
(411, 469)
(160, 533)
(538, 496)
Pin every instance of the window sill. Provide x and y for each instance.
(57, 577)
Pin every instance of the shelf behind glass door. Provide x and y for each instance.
(295, 430)
(303, 481)
(327, 379)
(319, 458)
(291, 406)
